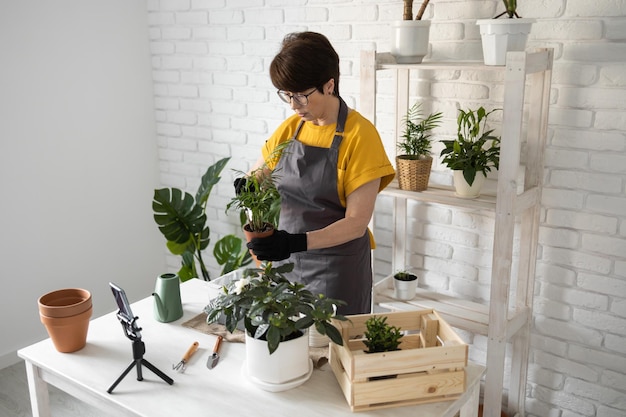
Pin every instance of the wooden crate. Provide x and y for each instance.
(429, 367)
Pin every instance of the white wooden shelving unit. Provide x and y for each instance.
(516, 207)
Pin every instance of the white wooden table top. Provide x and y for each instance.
(88, 373)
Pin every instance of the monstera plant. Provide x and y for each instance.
(182, 219)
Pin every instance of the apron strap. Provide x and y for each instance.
(341, 123)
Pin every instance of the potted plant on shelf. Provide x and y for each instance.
(415, 162)
(500, 36)
(276, 313)
(410, 36)
(473, 153)
(182, 218)
(404, 285)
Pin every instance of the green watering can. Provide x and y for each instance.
(167, 304)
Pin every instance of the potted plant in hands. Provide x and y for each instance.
(410, 36)
(473, 153)
(276, 313)
(258, 202)
(415, 162)
(500, 36)
(181, 218)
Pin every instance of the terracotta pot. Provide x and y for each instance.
(64, 303)
(68, 334)
(269, 229)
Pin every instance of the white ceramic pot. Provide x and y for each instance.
(404, 290)
(409, 40)
(500, 36)
(286, 368)
(463, 189)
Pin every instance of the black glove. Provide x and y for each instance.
(241, 184)
(278, 246)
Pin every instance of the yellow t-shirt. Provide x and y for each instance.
(362, 157)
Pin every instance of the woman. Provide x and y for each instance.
(330, 174)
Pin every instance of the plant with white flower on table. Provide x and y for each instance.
(273, 308)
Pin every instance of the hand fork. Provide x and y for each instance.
(180, 366)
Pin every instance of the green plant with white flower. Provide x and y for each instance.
(273, 308)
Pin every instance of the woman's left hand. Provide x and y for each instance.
(278, 246)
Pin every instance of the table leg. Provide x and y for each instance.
(38, 391)
(470, 408)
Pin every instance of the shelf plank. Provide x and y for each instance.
(442, 195)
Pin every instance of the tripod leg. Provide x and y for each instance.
(139, 375)
(118, 380)
(157, 371)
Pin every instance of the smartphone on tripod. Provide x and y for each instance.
(125, 314)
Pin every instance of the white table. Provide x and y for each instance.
(88, 373)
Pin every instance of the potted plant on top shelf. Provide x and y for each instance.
(473, 153)
(415, 162)
(276, 314)
(410, 36)
(500, 36)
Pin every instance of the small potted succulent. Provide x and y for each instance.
(410, 35)
(276, 314)
(500, 36)
(414, 163)
(473, 153)
(381, 336)
(404, 285)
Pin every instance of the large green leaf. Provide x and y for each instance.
(228, 252)
(177, 214)
(209, 179)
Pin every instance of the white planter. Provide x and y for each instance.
(500, 36)
(286, 368)
(404, 290)
(409, 42)
(463, 189)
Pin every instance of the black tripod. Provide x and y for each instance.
(133, 333)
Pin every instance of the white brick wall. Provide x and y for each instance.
(214, 99)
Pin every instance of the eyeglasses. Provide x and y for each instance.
(300, 99)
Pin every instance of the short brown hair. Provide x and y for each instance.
(306, 59)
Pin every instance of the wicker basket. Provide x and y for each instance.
(413, 174)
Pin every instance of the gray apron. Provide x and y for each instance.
(307, 183)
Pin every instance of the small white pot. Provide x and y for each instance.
(276, 372)
(404, 290)
(463, 189)
(500, 36)
(409, 44)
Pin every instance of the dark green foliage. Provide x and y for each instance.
(475, 149)
(381, 337)
(181, 218)
(416, 138)
(274, 308)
